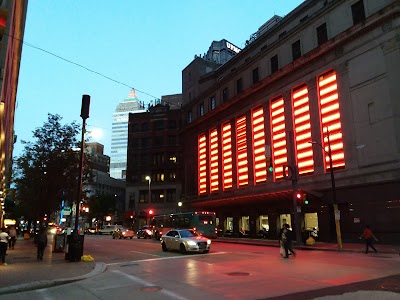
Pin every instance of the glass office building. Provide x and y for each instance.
(119, 136)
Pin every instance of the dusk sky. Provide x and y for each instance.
(136, 44)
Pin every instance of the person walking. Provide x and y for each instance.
(286, 239)
(13, 237)
(41, 243)
(3, 245)
(369, 238)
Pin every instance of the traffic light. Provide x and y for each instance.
(151, 212)
(301, 198)
(269, 164)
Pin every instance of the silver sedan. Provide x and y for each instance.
(185, 240)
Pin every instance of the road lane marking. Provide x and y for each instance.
(148, 284)
(145, 253)
(163, 258)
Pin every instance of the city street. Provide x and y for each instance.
(138, 269)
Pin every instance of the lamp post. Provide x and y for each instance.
(149, 179)
(335, 206)
(84, 116)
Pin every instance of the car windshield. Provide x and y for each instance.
(122, 228)
(188, 233)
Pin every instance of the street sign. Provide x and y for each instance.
(337, 215)
(268, 151)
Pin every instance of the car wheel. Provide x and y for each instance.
(182, 249)
(113, 237)
(120, 237)
(206, 251)
(131, 237)
(138, 237)
(164, 247)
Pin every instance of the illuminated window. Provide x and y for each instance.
(241, 147)
(302, 130)
(214, 180)
(330, 119)
(259, 160)
(202, 147)
(278, 134)
(227, 156)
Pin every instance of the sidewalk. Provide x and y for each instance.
(346, 247)
(24, 272)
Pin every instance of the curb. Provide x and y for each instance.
(301, 247)
(98, 269)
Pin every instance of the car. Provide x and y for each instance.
(91, 231)
(108, 229)
(145, 232)
(185, 240)
(122, 232)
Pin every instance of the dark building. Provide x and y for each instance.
(154, 161)
(313, 92)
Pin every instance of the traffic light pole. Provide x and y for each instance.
(294, 177)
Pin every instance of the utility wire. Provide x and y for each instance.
(79, 65)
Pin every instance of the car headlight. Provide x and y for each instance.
(191, 243)
(208, 242)
(123, 233)
(148, 232)
(53, 230)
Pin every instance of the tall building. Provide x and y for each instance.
(119, 135)
(315, 96)
(154, 178)
(12, 27)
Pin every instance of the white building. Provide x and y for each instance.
(119, 138)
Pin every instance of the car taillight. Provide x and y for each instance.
(194, 228)
(123, 233)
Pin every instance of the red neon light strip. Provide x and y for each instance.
(259, 160)
(202, 162)
(241, 147)
(302, 130)
(279, 149)
(330, 119)
(227, 156)
(214, 179)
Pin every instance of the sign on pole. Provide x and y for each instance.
(268, 151)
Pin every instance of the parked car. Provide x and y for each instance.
(108, 229)
(185, 240)
(123, 233)
(145, 232)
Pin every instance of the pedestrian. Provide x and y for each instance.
(41, 242)
(13, 237)
(369, 238)
(3, 245)
(286, 239)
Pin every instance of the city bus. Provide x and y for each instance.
(203, 222)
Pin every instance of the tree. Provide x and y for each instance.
(47, 171)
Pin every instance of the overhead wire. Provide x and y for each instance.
(79, 65)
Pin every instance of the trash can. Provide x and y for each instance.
(59, 243)
(74, 247)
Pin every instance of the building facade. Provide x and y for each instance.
(313, 92)
(12, 27)
(154, 178)
(103, 184)
(119, 135)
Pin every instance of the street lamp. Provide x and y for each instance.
(149, 179)
(335, 206)
(180, 205)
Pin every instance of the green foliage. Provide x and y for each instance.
(47, 171)
(101, 205)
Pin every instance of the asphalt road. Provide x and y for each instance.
(138, 269)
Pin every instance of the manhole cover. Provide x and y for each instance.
(238, 274)
(128, 265)
(391, 285)
(150, 289)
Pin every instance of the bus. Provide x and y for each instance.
(203, 222)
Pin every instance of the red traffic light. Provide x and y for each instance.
(151, 212)
(299, 195)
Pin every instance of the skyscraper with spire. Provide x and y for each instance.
(119, 135)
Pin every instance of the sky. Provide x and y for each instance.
(104, 48)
